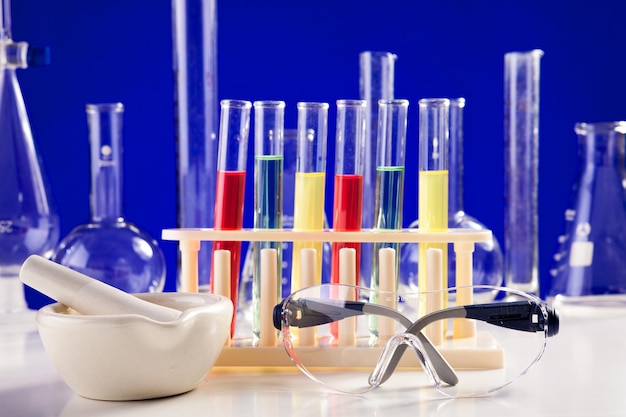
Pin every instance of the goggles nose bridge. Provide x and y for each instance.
(386, 363)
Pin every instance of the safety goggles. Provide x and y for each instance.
(352, 339)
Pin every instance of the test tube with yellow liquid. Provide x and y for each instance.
(310, 185)
(433, 182)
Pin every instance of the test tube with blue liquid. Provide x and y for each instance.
(310, 183)
(268, 189)
(390, 158)
(231, 181)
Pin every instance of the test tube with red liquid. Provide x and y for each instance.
(231, 180)
(349, 166)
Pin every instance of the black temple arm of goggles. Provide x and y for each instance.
(521, 315)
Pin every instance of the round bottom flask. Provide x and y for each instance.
(109, 248)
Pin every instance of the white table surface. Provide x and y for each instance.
(583, 373)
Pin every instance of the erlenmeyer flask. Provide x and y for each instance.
(28, 220)
(590, 264)
(487, 257)
(109, 248)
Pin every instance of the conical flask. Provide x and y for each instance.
(590, 264)
(28, 220)
(488, 260)
(110, 248)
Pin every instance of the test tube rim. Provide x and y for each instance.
(235, 103)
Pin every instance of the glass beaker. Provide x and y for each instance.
(29, 223)
(109, 248)
(348, 186)
(194, 26)
(590, 264)
(376, 82)
(521, 164)
(269, 119)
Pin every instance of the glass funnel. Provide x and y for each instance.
(110, 248)
(28, 219)
(590, 266)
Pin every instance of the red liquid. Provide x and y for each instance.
(229, 198)
(347, 217)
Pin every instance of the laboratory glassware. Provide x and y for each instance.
(269, 117)
(521, 169)
(108, 247)
(433, 180)
(29, 223)
(196, 105)
(310, 184)
(517, 333)
(244, 312)
(389, 196)
(487, 259)
(230, 184)
(348, 184)
(376, 82)
(590, 264)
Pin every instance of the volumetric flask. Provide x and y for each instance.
(590, 264)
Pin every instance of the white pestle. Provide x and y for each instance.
(87, 295)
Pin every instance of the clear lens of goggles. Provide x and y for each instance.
(353, 339)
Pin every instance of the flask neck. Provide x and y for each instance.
(5, 20)
(601, 145)
(105, 137)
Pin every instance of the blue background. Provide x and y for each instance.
(121, 50)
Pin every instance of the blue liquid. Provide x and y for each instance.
(268, 214)
(388, 211)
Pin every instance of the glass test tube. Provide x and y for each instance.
(269, 119)
(433, 181)
(310, 183)
(376, 82)
(521, 162)
(348, 193)
(390, 156)
(231, 180)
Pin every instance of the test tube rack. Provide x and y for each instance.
(475, 351)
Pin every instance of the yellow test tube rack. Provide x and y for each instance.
(475, 351)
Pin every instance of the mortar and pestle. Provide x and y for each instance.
(110, 345)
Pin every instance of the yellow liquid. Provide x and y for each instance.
(308, 215)
(433, 216)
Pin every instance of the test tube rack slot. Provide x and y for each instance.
(480, 353)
